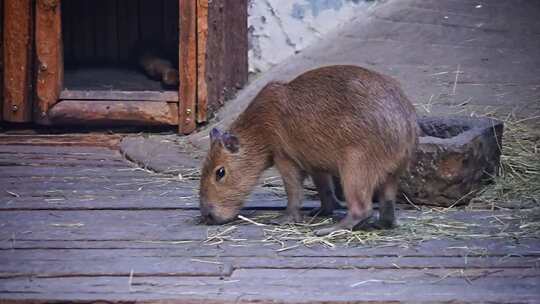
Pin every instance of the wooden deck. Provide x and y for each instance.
(78, 222)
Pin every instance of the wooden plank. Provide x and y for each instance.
(108, 225)
(473, 248)
(91, 150)
(123, 113)
(67, 32)
(103, 224)
(149, 197)
(17, 171)
(74, 28)
(18, 50)
(110, 78)
(215, 56)
(54, 263)
(340, 286)
(95, 140)
(100, 30)
(380, 262)
(202, 36)
(150, 20)
(128, 29)
(170, 96)
(1, 58)
(87, 27)
(111, 49)
(121, 188)
(50, 60)
(236, 37)
(188, 66)
(170, 23)
(59, 163)
(32, 262)
(144, 262)
(226, 51)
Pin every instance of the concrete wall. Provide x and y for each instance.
(279, 28)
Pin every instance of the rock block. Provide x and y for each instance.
(454, 158)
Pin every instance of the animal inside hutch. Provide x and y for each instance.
(121, 62)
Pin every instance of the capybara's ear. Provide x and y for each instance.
(230, 142)
(215, 134)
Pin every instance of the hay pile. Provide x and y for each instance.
(414, 228)
(518, 182)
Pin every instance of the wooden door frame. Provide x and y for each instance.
(49, 57)
(17, 59)
(1, 59)
(212, 65)
(187, 90)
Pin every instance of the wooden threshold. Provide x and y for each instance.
(114, 113)
(168, 96)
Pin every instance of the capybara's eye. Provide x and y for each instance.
(220, 173)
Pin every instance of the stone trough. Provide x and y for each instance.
(454, 158)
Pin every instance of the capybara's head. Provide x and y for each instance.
(170, 77)
(224, 182)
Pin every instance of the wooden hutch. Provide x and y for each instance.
(69, 61)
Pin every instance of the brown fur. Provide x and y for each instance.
(159, 69)
(341, 121)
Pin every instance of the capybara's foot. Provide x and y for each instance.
(384, 224)
(348, 223)
(287, 218)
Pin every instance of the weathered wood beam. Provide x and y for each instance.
(49, 52)
(202, 36)
(106, 112)
(170, 96)
(1, 58)
(17, 40)
(226, 50)
(188, 66)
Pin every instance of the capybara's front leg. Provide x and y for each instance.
(293, 178)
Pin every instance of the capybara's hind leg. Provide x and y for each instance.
(358, 187)
(293, 178)
(386, 196)
(325, 187)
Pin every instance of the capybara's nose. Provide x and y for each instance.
(207, 215)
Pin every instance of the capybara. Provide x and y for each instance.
(340, 120)
(158, 60)
(159, 69)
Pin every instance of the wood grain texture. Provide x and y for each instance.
(226, 67)
(111, 45)
(50, 59)
(202, 36)
(188, 66)
(106, 112)
(1, 58)
(170, 96)
(106, 32)
(80, 224)
(17, 141)
(18, 50)
(128, 29)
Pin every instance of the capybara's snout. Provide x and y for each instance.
(211, 217)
